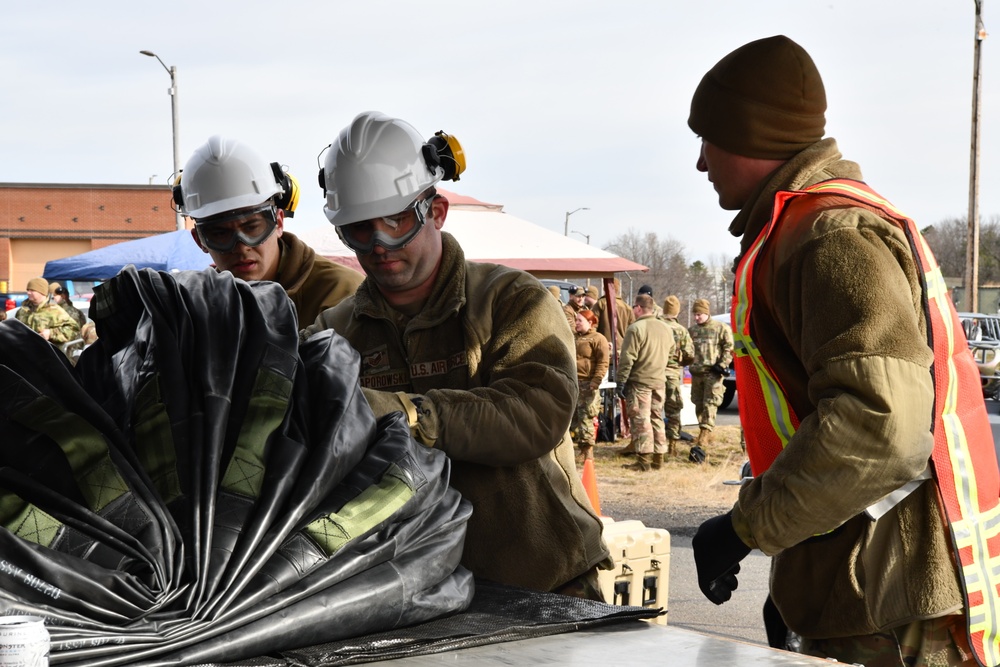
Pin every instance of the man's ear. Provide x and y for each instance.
(439, 211)
(280, 218)
(197, 239)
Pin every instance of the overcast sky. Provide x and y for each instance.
(559, 105)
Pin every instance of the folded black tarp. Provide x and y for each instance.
(199, 488)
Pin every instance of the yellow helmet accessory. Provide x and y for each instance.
(443, 150)
(288, 199)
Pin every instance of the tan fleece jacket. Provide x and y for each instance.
(313, 282)
(837, 316)
(493, 358)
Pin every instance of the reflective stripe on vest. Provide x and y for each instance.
(964, 460)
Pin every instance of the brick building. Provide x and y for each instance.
(44, 221)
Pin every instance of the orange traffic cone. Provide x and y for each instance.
(589, 478)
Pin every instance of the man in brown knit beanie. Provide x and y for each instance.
(853, 414)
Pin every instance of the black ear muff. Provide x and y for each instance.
(322, 180)
(443, 150)
(178, 194)
(289, 197)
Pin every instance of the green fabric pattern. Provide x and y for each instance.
(27, 521)
(372, 506)
(84, 446)
(268, 405)
(154, 440)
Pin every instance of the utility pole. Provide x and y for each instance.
(970, 299)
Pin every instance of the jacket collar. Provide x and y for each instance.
(295, 262)
(819, 162)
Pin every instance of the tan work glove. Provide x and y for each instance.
(419, 411)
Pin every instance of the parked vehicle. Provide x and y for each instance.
(983, 334)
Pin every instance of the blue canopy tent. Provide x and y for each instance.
(173, 251)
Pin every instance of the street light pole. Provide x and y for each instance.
(175, 120)
(569, 213)
(586, 236)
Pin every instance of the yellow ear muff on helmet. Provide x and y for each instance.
(291, 200)
(288, 200)
(443, 150)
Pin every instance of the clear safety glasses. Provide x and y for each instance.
(392, 233)
(251, 228)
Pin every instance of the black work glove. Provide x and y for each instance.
(620, 391)
(719, 370)
(718, 551)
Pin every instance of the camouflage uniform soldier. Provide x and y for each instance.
(713, 352)
(49, 320)
(646, 350)
(59, 297)
(592, 357)
(683, 355)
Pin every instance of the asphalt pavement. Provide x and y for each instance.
(740, 618)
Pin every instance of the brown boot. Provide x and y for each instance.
(657, 461)
(587, 451)
(642, 463)
(671, 448)
(703, 437)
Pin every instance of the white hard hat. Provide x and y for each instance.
(377, 167)
(224, 175)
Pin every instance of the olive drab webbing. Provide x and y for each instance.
(963, 460)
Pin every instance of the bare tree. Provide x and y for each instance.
(947, 240)
(665, 258)
(721, 267)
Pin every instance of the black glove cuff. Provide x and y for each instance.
(727, 545)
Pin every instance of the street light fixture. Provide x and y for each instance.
(172, 91)
(569, 213)
(586, 236)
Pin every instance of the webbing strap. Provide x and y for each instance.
(363, 513)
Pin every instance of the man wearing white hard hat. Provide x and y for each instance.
(478, 356)
(239, 203)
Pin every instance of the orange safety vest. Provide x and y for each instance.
(963, 462)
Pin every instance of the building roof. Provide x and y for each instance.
(488, 234)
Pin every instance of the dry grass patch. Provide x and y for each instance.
(678, 485)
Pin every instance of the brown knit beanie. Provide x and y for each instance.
(592, 292)
(764, 100)
(555, 291)
(39, 285)
(701, 306)
(671, 306)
